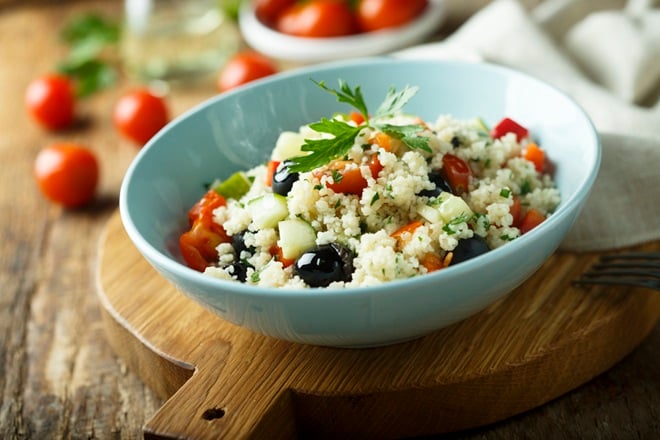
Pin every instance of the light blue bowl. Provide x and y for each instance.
(237, 130)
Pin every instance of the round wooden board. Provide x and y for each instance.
(223, 381)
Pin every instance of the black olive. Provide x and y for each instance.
(469, 248)
(238, 243)
(283, 178)
(239, 269)
(325, 264)
(441, 185)
(455, 142)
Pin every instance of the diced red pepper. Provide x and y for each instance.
(508, 125)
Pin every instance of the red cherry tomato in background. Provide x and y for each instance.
(51, 101)
(140, 114)
(67, 173)
(244, 67)
(267, 11)
(374, 15)
(317, 18)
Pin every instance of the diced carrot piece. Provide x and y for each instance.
(532, 219)
(536, 155)
(432, 262)
(356, 117)
(404, 233)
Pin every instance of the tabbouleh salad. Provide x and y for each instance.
(360, 199)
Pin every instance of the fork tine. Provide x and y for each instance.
(645, 256)
(633, 269)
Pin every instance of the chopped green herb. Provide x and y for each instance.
(318, 187)
(337, 176)
(505, 192)
(487, 163)
(374, 199)
(526, 187)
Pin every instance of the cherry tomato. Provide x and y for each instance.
(375, 166)
(67, 174)
(317, 19)
(203, 209)
(198, 245)
(374, 15)
(532, 219)
(278, 253)
(140, 114)
(244, 67)
(267, 11)
(456, 172)
(51, 101)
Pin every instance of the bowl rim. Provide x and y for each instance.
(180, 270)
(307, 49)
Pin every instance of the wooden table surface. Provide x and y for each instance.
(59, 377)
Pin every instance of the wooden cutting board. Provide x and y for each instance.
(223, 381)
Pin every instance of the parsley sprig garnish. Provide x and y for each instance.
(325, 150)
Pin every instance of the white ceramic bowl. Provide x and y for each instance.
(312, 50)
(236, 131)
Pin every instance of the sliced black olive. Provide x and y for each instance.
(440, 183)
(283, 178)
(325, 264)
(469, 248)
(238, 243)
(239, 269)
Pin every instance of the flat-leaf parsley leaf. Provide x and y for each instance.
(323, 151)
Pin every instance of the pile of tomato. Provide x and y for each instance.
(336, 18)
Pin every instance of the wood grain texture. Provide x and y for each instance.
(542, 341)
(59, 376)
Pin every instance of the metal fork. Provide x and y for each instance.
(641, 269)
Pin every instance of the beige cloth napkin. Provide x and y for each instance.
(606, 55)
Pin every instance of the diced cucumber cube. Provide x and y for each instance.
(287, 146)
(445, 208)
(296, 236)
(430, 213)
(267, 210)
(452, 207)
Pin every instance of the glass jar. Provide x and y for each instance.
(176, 39)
